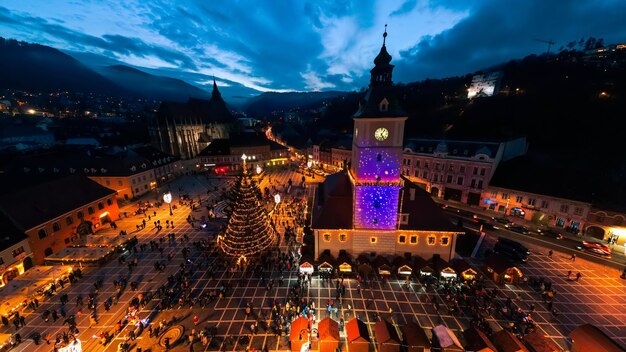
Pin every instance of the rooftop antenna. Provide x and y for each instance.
(549, 42)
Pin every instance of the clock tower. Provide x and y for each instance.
(377, 150)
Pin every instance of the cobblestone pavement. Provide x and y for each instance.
(596, 298)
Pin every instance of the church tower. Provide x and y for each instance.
(377, 150)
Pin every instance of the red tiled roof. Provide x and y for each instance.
(589, 338)
(415, 336)
(357, 330)
(476, 340)
(505, 341)
(386, 333)
(333, 203)
(296, 327)
(328, 330)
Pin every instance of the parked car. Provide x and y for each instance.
(501, 222)
(594, 248)
(550, 233)
(519, 229)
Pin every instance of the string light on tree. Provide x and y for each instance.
(249, 230)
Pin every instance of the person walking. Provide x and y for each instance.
(578, 276)
(569, 273)
(573, 257)
(196, 320)
(550, 252)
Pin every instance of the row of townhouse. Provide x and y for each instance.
(131, 173)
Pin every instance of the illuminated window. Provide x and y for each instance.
(326, 237)
(445, 240)
(432, 239)
(373, 240)
(413, 239)
(343, 237)
(402, 239)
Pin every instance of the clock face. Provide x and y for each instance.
(381, 134)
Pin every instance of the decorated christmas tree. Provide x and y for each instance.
(249, 230)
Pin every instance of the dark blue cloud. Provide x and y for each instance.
(498, 31)
(312, 44)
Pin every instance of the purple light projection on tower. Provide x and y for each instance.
(379, 164)
(376, 207)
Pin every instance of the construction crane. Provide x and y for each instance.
(549, 42)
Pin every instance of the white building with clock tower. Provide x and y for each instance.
(370, 208)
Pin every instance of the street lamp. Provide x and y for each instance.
(258, 169)
(167, 198)
(277, 198)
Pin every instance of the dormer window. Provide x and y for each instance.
(383, 105)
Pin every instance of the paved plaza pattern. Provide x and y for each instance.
(597, 298)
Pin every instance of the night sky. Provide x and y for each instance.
(307, 45)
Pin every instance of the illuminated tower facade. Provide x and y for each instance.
(377, 150)
(370, 209)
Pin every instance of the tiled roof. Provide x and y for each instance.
(476, 340)
(333, 203)
(328, 330)
(454, 147)
(414, 336)
(424, 214)
(356, 330)
(9, 233)
(386, 333)
(38, 204)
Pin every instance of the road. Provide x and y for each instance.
(565, 245)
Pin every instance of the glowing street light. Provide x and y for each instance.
(258, 169)
(277, 198)
(167, 198)
(309, 163)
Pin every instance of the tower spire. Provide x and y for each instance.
(385, 35)
(216, 92)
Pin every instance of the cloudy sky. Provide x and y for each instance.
(277, 45)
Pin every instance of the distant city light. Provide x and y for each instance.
(31, 111)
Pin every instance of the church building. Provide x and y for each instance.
(370, 208)
(184, 129)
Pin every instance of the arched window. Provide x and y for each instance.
(79, 215)
(68, 220)
(90, 210)
(42, 233)
(109, 202)
(56, 227)
(100, 205)
(48, 251)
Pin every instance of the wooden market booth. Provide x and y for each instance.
(501, 270)
(403, 269)
(476, 340)
(328, 331)
(589, 338)
(442, 268)
(537, 342)
(445, 340)
(464, 269)
(345, 264)
(357, 336)
(326, 263)
(382, 265)
(299, 334)
(414, 338)
(505, 341)
(387, 337)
